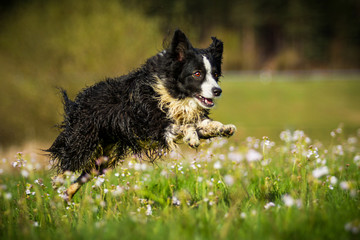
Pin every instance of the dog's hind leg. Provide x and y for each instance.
(100, 168)
(76, 185)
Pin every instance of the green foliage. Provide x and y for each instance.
(254, 189)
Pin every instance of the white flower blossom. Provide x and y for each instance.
(217, 165)
(253, 156)
(333, 180)
(24, 173)
(229, 180)
(235, 157)
(8, 196)
(319, 172)
(345, 185)
(148, 210)
(288, 200)
(269, 205)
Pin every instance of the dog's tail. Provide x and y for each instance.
(68, 104)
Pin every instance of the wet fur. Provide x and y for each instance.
(144, 113)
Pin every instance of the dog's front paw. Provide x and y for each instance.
(192, 140)
(191, 137)
(228, 130)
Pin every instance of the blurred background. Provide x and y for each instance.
(288, 64)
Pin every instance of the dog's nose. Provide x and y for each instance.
(216, 91)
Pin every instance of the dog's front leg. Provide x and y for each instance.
(209, 129)
(190, 135)
(185, 132)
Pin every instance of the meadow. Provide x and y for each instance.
(254, 188)
(290, 172)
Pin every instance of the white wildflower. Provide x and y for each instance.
(321, 171)
(235, 157)
(137, 166)
(352, 227)
(288, 200)
(8, 196)
(148, 210)
(285, 136)
(333, 180)
(352, 140)
(253, 156)
(339, 150)
(345, 185)
(217, 165)
(243, 215)
(298, 134)
(24, 173)
(357, 159)
(36, 224)
(118, 191)
(99, 181)
(199, 179)
(175, 201)
(269, 205)
(229, 180)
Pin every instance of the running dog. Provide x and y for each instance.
(146, 113)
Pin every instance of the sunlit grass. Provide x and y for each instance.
(314, 103)
(253, 189)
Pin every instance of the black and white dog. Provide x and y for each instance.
(146, 112)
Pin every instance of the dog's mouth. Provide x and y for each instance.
(205, 102)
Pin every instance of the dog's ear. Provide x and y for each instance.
(216, 49)
(179, 45)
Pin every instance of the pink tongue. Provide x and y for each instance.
(208, 101)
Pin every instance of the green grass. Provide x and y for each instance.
(316, 104)
(217, 192)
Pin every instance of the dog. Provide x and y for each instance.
(147, 112)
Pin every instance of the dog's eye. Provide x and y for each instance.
(216, 75)
(197, 74)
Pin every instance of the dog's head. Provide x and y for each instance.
(194, 73)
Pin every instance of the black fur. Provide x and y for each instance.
(121, 116)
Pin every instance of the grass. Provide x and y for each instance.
(316, 104)
(252, 189)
